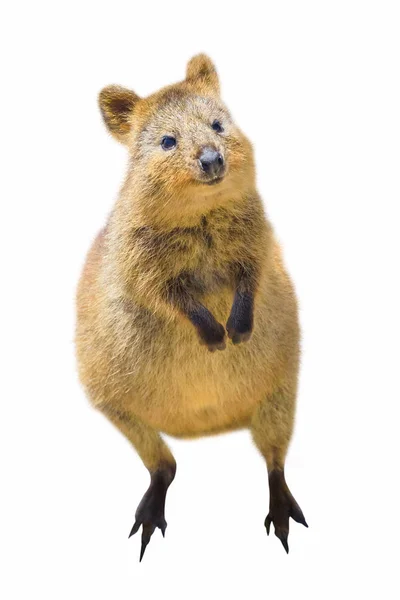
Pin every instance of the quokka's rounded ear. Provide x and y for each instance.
(116, 105)
(201, 72)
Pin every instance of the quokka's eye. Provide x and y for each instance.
(216, 125)
(168, 142)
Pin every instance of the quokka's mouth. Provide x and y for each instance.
(214, 181)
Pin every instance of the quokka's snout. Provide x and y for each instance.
(212, 164)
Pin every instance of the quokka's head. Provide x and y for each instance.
(186, 153)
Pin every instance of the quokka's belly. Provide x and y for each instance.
(183, 389)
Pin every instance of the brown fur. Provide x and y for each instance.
(172, 248)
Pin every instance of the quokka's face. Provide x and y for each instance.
(189, 141)
(182, 140)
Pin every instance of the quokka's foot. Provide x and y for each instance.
(239, 328)
(213, 337)
(236, 336)
(282, 505)
(150, 512)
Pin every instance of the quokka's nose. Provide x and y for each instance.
(212, 162)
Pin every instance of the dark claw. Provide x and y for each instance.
(283, 536)
(147, 532)
(134, 529)
(142, 549)
(267, 523)
(297, 515)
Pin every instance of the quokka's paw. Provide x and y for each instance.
(282, 506)
(213, 337)
(150, 512)
(239, 330)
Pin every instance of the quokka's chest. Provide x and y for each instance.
(203, 257)
(206, 243)
(209, 266)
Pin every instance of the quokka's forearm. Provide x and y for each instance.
(241, 319)
(179, 296)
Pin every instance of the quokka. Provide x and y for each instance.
(187, 320)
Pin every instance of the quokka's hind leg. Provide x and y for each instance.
(161, 465)
(271, 427)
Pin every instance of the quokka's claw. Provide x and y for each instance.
(297, 514)
(142, 550)
(148, 530)
(267, 523)
(163, 528)
(282, 534)
(135, 528)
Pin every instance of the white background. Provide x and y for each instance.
(315, 85)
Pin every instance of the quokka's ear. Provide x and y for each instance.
(116, 105)
(201, 72)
